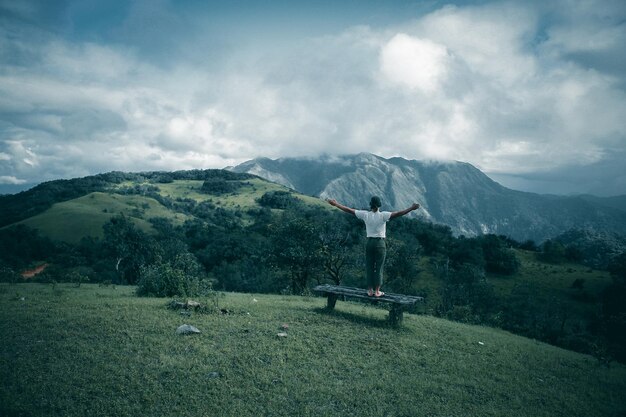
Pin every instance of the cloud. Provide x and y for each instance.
(516, 89)
(5, 179)
(413, 62)
(491, 40)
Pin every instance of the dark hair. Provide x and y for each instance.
(375, 202)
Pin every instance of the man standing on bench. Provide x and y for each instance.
(376, 248)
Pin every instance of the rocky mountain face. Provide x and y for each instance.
(452, 193)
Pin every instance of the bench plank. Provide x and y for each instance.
(397, 301)
(362, 293)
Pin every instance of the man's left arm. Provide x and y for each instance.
(400, 213)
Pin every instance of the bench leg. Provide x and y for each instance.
(396, 314)
(331, 301)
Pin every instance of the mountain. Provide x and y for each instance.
(452, 193)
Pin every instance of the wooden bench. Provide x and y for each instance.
(398, 301)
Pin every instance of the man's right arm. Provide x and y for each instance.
(341, 207)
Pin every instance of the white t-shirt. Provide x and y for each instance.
(375, 222)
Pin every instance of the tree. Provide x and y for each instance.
(552, 252)
(465, 294)
(296, 247)
(529, 245)
(338, 237)
(573, 254)
(467, 251)
(20, 246)
(528, 311)
(402, 264)
(614, 308)
(499, 258)
(433, 238)
(8, 274)
(617, 268)
(247, 275)
(129, 247)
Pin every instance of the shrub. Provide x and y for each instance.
(499, 258)
(552, 252)
(467, 251)
(578, 284)
(466, 286)
(278, 200)
(614, 310)
(462, 314)
(502, 261)
(179, 277)
(7, 274)
(219, 186)
(529, 245)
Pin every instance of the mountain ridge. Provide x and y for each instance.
(453, 193)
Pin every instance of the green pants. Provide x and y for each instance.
(375, 253)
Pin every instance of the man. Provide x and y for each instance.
(376, 248)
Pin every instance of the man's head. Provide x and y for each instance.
(375, 203)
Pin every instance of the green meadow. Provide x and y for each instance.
(102, 351)
(72, 220)
(246, 196)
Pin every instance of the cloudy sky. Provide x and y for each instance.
(533, 94)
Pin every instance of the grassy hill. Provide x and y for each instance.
(245, 197)
(71, 220)
(101, 351)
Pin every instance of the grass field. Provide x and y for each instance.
(101, 351)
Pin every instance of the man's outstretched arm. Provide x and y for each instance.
(341, 207)
(400, 213)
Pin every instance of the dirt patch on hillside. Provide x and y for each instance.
(29, 273)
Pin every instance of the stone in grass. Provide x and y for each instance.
(188, 305)
(214, 374)
(187, 329)
(282, 334)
